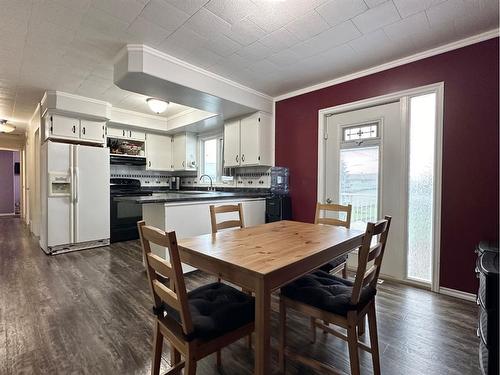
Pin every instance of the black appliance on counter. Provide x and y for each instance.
(278, 207)
(125, 215)
(487, 299)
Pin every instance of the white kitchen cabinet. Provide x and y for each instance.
(74, 129)
(184, 152)
(158, 152)
(249, 141)
(134, 135)
(93, 130)
(232, 143)
(62, 127)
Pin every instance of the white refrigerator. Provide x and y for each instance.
(74, 197)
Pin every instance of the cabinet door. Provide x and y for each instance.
(116, 132)
(64, 127)
(137, 135)
(179, 152)
(232, 144)
(250, 140)
(158, 152)
(92, 130)
(191, 143)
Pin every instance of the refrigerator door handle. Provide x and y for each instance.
(76, 180)
(72, 195)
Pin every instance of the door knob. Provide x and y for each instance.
(328, 200)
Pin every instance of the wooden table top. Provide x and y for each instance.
(266, 248)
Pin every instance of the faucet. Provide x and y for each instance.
(206, 175)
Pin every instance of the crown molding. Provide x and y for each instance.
(144, 48)
(395, 63)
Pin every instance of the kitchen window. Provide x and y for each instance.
(211, 157)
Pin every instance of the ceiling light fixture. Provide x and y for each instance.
(157, 105)
(6, 128)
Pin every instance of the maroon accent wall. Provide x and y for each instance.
(470, 195)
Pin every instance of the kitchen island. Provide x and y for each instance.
(187, 212)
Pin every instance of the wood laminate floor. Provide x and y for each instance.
(89, 312)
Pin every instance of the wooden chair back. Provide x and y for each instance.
(367, 253)
(333, 208)
(174, 295)
(228, 223)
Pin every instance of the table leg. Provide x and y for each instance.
(262, 329)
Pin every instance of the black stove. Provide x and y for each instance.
(125, 215)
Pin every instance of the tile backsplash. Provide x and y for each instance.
(248, 177)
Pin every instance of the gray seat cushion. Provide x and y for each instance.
(216, 309)
(327, 292)
(333, 264)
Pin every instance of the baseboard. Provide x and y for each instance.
(11, 214)
(458, 294)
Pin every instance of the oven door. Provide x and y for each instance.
(124, 218)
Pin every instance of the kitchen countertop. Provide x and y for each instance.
(191, 196)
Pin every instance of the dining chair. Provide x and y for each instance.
(339, 264)
(197, 323)
(228, 224)
(339, 301)
(228, 208)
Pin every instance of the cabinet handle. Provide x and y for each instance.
(243, 158)
(123, 132)
(130, 133)
(83, 130)
(74, 129)
(183, 164)
(236, 158)
(149, 163)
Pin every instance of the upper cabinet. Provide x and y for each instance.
(248, 141)
(158, 152)
(184, 152)
(74, 129)
(118, 132)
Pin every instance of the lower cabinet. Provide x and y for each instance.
(158, 152)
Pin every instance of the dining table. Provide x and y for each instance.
(263, 258)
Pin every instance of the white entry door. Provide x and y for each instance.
(364, 168)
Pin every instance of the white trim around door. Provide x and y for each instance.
(437, 88)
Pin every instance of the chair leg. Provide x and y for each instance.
(313, 329)
(157, 350)
(361, 326)
(372, 324)
(352, 341)
(175, 356)
(344, 271)
(219, 359)
(190, 368)
(282, 337)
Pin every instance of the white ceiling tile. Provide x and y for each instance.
(448, 11)
(126, 10)
(271, 16)
(146, 32)
(187, 6)
(330, 38)
(223, 46)
(285, 57)
(165, 15)
(366, 43)
(486, 15)
(377, 17)
(408, 7)
(245, 32)
(338, 11)
(374, 3)
(307, 26)
(230, 10)
(279, 40)
(183, 42)
(407, 27)
(101, 25)
(255, 51)
(204, 58)
(207, 24)
(52, 11)
(263, 67)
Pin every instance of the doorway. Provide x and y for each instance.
(383, 156)
(10, 189)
